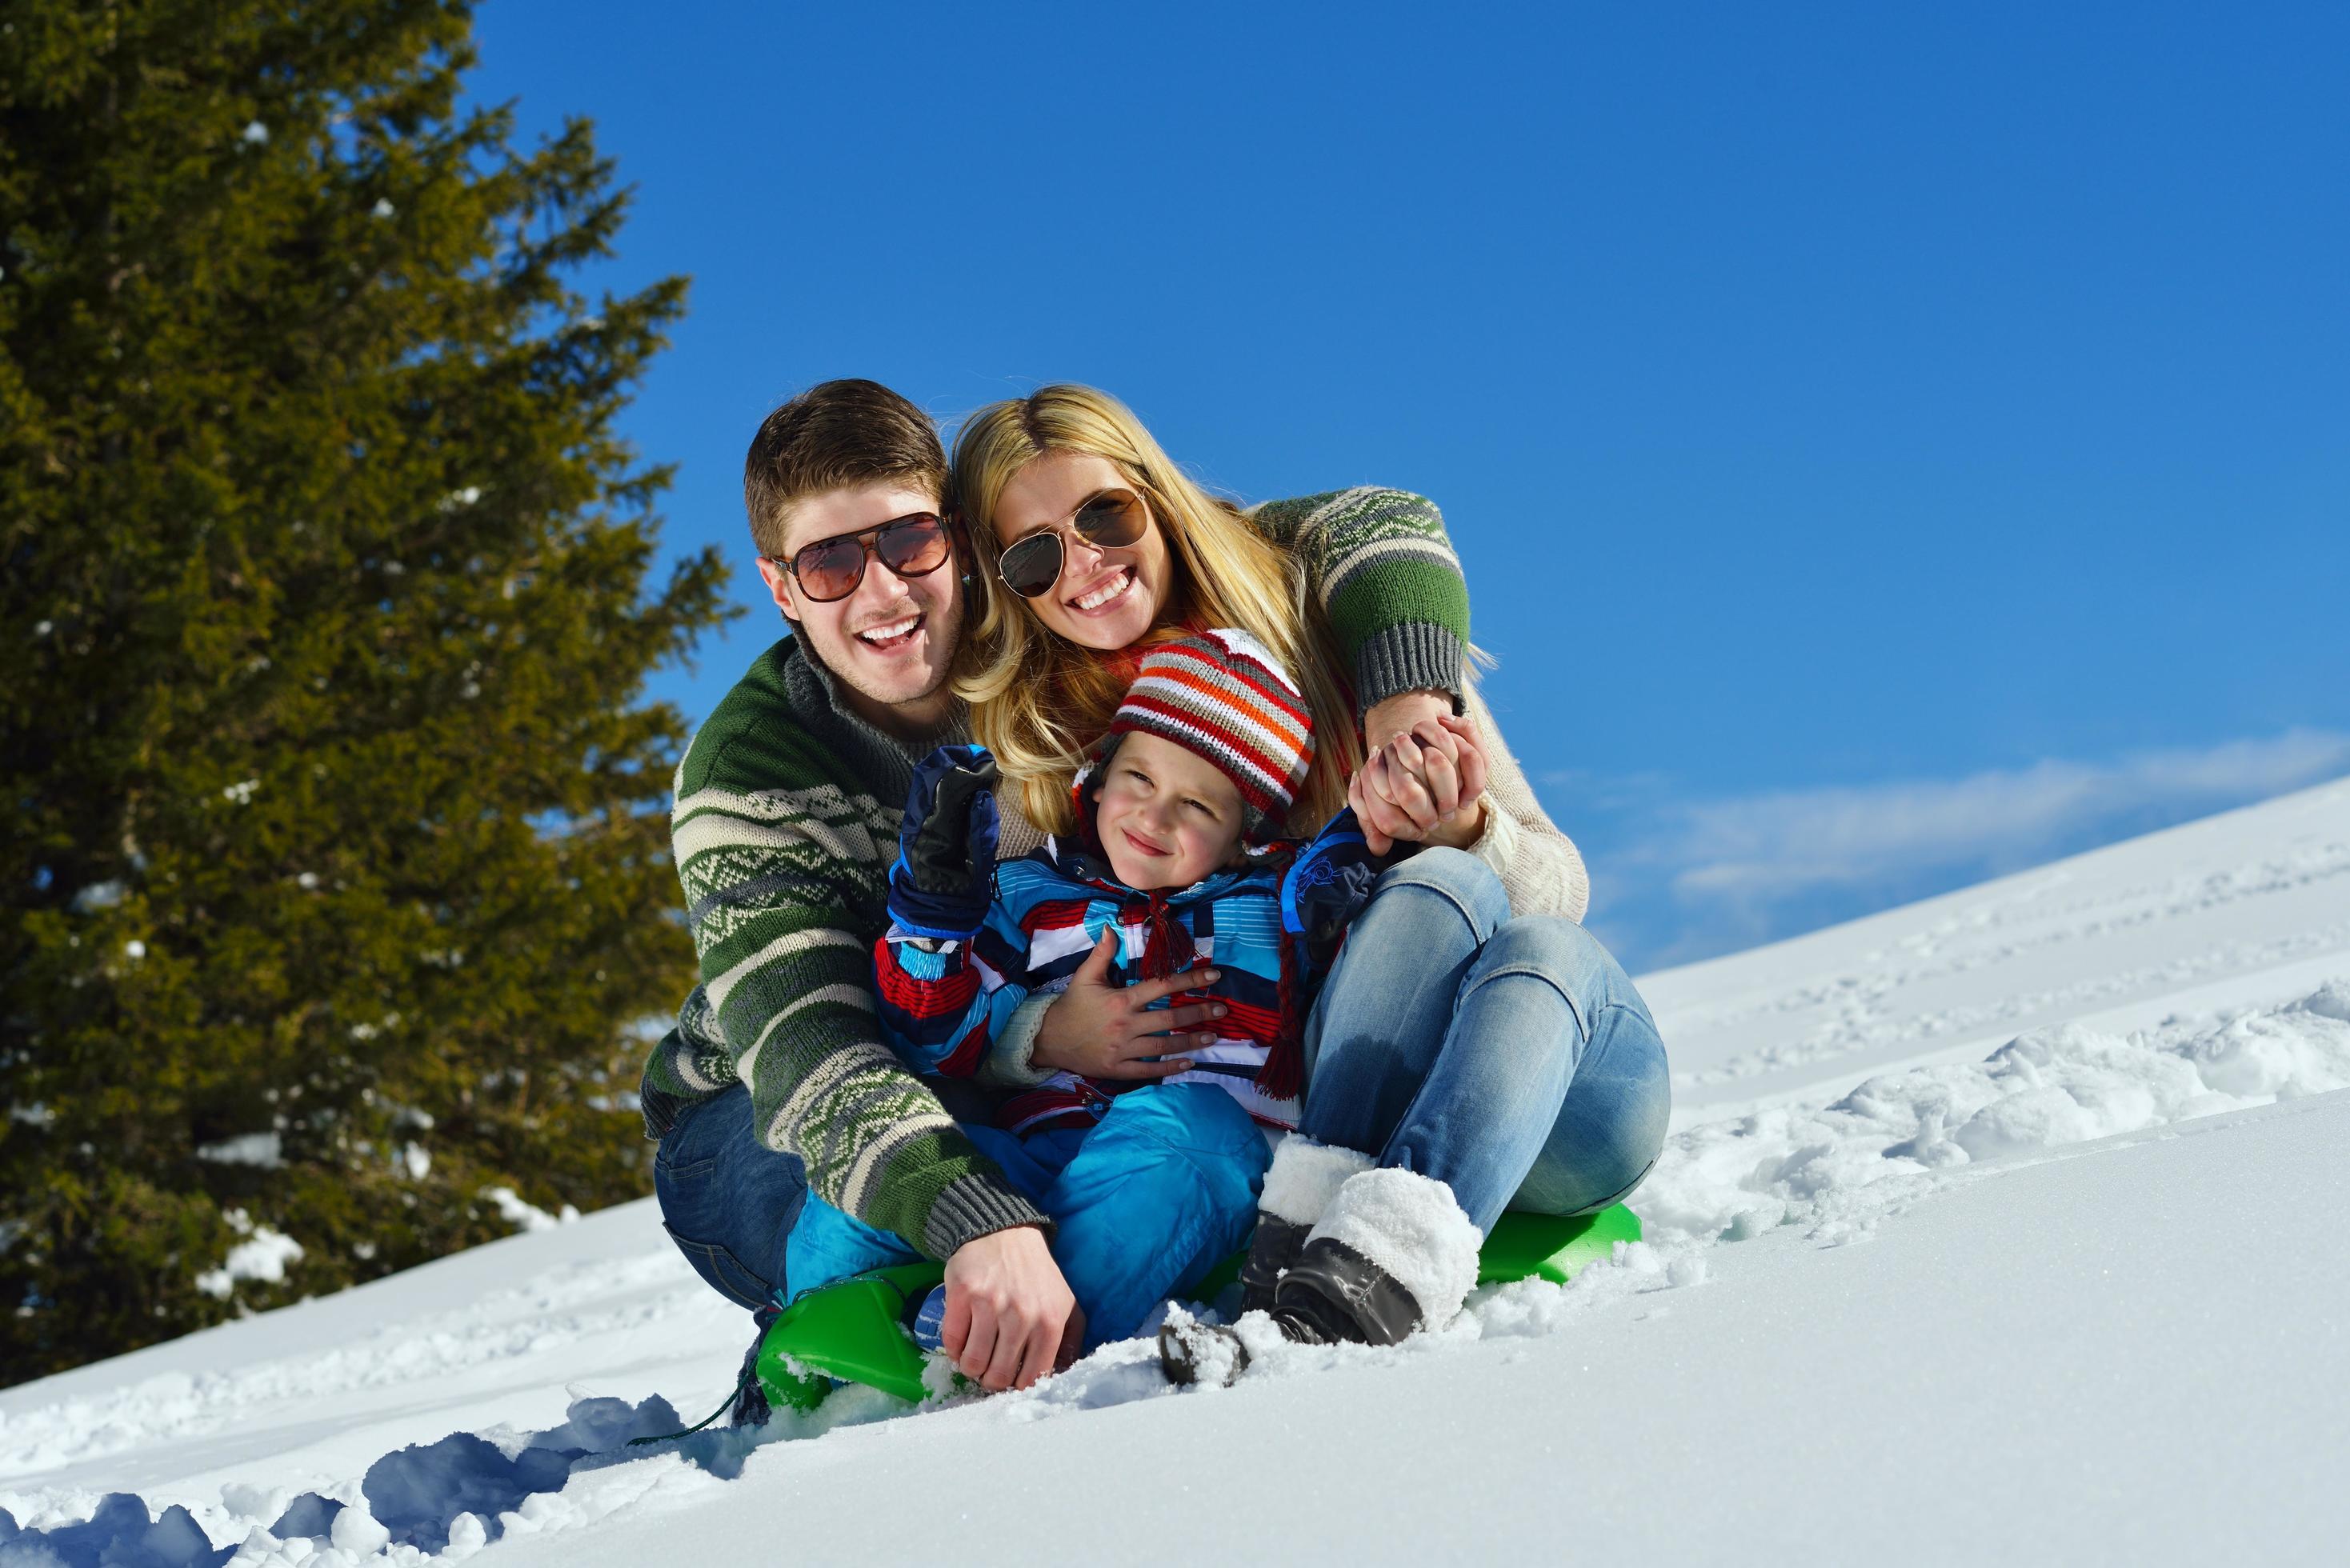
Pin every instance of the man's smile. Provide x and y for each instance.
(892, 635)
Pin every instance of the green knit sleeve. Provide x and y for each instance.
(1381, 565)
(781, 862)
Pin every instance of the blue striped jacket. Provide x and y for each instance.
(945, 1005)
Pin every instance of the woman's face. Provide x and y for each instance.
(1105, 598)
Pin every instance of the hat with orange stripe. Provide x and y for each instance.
(1223, 696)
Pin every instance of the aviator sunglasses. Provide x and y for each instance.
(1031, 565)
(913, 545)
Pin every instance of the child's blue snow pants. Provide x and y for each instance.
(1145, 1202)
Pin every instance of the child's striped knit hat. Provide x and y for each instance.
(1221, 694)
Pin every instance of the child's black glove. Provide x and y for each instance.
(945, 870)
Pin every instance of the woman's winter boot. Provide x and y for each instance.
(1393, 1254)
(1306, 1176)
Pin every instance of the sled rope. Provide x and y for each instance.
(749, 1372)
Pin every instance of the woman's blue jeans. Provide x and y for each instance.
(1508, 1057)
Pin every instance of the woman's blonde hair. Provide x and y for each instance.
(1040, 701)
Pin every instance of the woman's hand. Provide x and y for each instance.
(1098, 1030)
(1425, 785)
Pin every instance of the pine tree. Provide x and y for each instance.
(336, 874)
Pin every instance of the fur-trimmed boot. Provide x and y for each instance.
(1306, 1176)
(1393, 1254)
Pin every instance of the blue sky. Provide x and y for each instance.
(1890, 445)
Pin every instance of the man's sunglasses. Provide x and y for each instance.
(1031, 565)
(913, 545)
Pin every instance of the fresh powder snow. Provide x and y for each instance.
(2006, 1224)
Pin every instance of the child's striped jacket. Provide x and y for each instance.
(944, 1009)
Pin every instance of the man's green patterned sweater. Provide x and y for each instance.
(784, 825)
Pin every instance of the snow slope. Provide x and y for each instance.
(2007, 1222)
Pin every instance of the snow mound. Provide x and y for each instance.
(1839, 1169)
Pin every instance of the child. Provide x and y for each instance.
(1176, 869)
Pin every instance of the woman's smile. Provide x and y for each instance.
(1107, 593)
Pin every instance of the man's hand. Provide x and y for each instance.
(1009, 1317)
(1098, 1030)
(1424, 785)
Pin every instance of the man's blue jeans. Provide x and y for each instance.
(728, 1201)
(1509, 1058)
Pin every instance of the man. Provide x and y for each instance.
(775, 1082)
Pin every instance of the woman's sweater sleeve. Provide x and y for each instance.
(1381, 566)
(1539, 865)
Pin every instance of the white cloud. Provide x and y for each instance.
(1767, 846)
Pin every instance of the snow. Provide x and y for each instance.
(265, 1149)
(98, 896)
(512, 1209)
(2008, 1224)
(264, 1256)
(2067, 1084)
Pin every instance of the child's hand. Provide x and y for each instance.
(1326, 886)
(945, 870)
(1424, 786)
(1098, 1030)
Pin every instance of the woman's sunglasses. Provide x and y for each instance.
(912, 547)
(1031, 565)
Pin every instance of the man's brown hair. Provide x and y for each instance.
(834, 435)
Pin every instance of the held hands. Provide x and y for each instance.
(1424, 779)
(1010, 1315)
(1098, 1030)
(945, 869)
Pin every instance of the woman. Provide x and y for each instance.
(1472, 1036)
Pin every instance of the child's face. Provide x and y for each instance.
(1166, 817)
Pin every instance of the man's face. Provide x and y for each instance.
(893, 638)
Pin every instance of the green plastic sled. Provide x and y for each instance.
(853, 1331)
(1531, 1246)
(857, 1330)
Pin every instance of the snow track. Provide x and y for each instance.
(2118, 931)
(2088, 1120)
